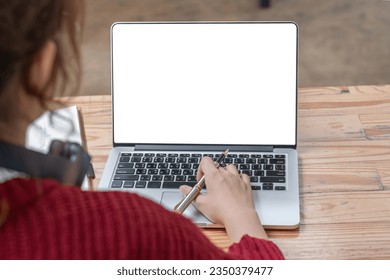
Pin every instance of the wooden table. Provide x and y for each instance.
(344, 161)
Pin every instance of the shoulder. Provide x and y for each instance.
(96, 225)
(68, 200)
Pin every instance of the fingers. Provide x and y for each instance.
(206, 166)
(246, 179)
(232, 168)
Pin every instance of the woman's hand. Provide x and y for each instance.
(228, 200)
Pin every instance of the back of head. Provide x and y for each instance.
(25, 26)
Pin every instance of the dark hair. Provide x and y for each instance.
(25, 26)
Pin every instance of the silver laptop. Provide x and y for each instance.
(185, 90)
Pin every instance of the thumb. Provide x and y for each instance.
(199, 200)
(185, 190)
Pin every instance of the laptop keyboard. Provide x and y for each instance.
(267, 171)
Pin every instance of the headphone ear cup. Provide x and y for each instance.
(56, 148)
(73, 152)
(78, 160)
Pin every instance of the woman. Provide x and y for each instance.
(42, 219)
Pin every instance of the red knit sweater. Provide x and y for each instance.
(44, 220)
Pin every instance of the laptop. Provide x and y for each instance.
(185, 90)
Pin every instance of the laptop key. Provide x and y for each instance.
(174, 166)
(268, 167)
(152, 171)
(126, 177)
(141, 171)
(181, 178)
(154, 185)
(170, 160)
(173, 185)
(193, 160)
(125, 171)
(157, 178)
(169, 178)
(176, 172)
(136, 159)
(162, 166)
(243, 166)
(276, 173)
(273, 179)
(140, 165)
(124, 159)
(185, 166)
(145, 178)
(259, 173)
(254, 179)
(188, 172)
(231, 156)
(151, 165)
(256, 187)
(164, 171)
(191, 178)
(128, 184)
(280, 167)
(268, 187)
(126, 154)
(125, 165)
(161, 155)
(277, 161)
(173, 155)
(256, 166)
(280, 188)
(140, 185)
(116, 184)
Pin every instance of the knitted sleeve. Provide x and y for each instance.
(50, 221)
(253, 248)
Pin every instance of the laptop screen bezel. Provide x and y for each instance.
(184, 145)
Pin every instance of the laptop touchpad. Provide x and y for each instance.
(170, 199)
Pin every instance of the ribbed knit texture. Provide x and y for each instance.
(48, 221)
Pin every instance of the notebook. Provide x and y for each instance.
(185, 90)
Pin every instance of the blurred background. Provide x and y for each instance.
(342, 42)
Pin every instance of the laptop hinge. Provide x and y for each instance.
(234, 148)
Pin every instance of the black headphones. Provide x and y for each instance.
(66, 162)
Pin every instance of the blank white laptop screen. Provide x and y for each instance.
(204, 83)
